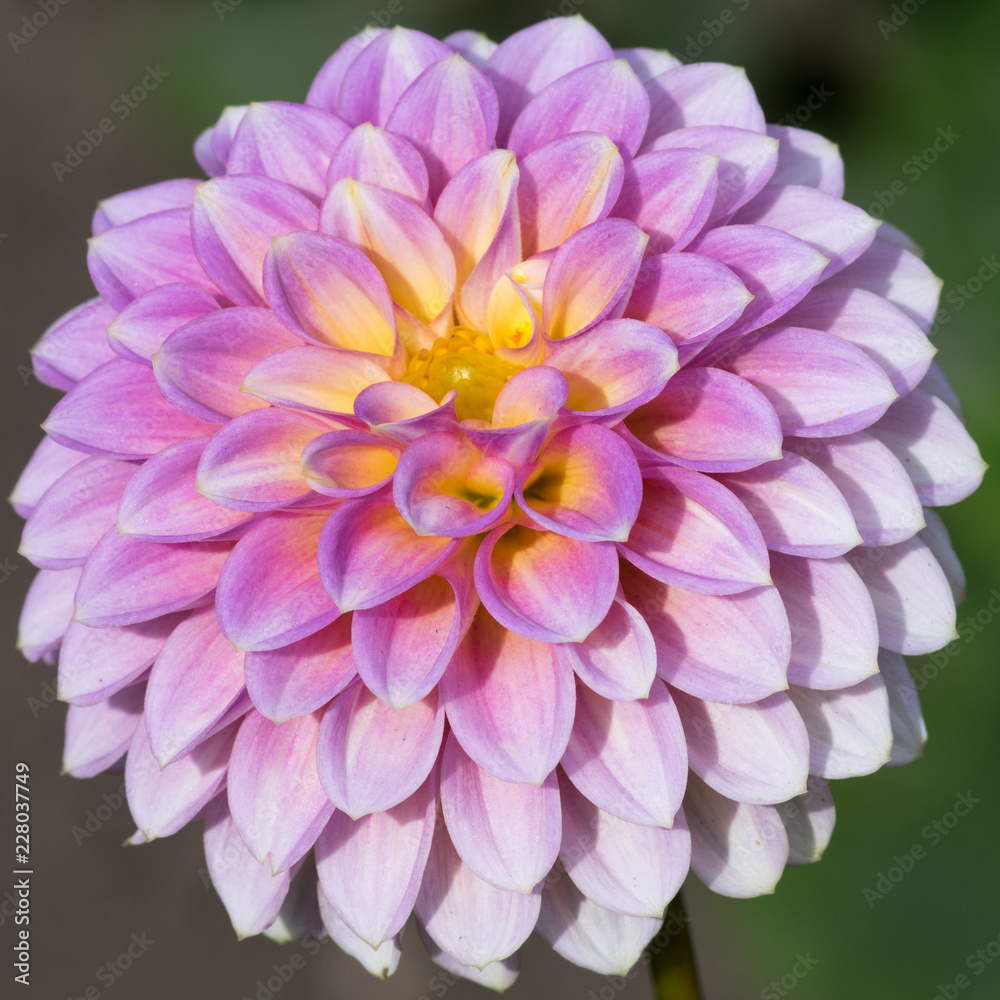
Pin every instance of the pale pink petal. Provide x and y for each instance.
(74, 345)
(48, 462)
(375, 156)
(808, 820)
(98, 735)
(807, 158)
(47, 610)
(909, 731)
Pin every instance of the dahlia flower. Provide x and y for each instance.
(499, 489)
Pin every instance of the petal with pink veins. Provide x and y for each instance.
(95, 663)
(138, 331)
(897, 275)
(886, 334)
(164, 799)
(497, 976)
(404, 645)
(127, 581)
(48, 462)
(591, 936)
(251, 894)
(749, 753)
(510, 702)
(450, 114)
(747, 160)
(381, 962)
(605, 97)
(234, 220)
(850, 732)
(369, 554)
(836, 228)
(692, 532)
(526, 62)
(98, 735)
(912, 597)
(270, 592)
(473, 921)
(707, 420)
(399, 239)
(382, 70)
(330, 293)
(808, 822)
(375, 156)
(701, 94)
(670, 194)
(74, 513)
(543, 585)
(808, 158)
(935, 537)
(585, 484)
(161, 502)
(508, 833)
(871, 479)
(403, 411)
(302, 676)
(349, 463)
(930, 442)
(797, 508)
(567, 184)
(834, 630)
(621, 866)
(195, 687)
(254, 462)
(119, 411)
(388, 849)
(589, 276)
(73, 346)
(324, 91)
(670, 292)
(777, 269)
(211, 148)
(740, 659)
(629, 757)
(292, 143)
(200, 368)
(737, 849)
(371, 756)
(471, 45)
(140, 202)
(129, 260)
(909, 731)
(614, 367)
(275, 796)
(444, 487)
(618, 659)
(819, 384)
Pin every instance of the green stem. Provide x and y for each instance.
(675, 973)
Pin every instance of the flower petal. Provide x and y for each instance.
(388, 849)
(269, 591)
(909, 731)
(375, 156)
(275, 796)
(834, 630)
(140, 202)
(127, 581)
(303, 676)
(692, 532)
(474, 922)
(138, 331)
(849, 730)
(808, 822)
(234, 221)
(372, 757)
(567, 184)
(911, 594)
(74, 345)
(509, 701)
(622, 866)
(737, 849)
(381, 962)
(508, 833)
(98, 735)
(605, 97)
(48, 462)
(805, 157)
(629, 757)
(543, 585)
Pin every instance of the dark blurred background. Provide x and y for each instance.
(884, 79)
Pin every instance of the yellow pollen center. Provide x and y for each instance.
(465, 362)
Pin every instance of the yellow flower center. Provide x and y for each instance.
(465, 362)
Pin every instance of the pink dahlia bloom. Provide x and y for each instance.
(487, 496)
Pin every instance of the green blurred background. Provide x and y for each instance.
(891, 77)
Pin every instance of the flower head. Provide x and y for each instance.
(488, 495)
